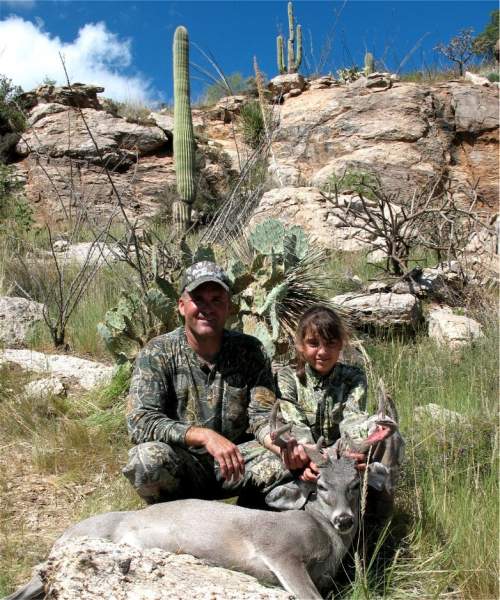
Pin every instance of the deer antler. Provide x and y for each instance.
(276, 432)
(316, 454)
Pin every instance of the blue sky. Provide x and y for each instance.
(126, 45)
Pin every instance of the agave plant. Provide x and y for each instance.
(283, 277)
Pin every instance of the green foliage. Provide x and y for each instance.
(282, 279)
(11, 116)
(232, 84)
(351, 181)
(137, 318)
(294, 46)
(349, 74)
(184, 144)
(493, 76)
(15, 212)
(252, 123)
(484, 43)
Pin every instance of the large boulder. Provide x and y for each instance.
(17, 318)
(119, 142)
(286, 83)
(381, 310)
(86, 373)
(453, 331)
(96, 569)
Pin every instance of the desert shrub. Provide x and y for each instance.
(493, 76)
(225, 86)
(11, 115)
(351, 181)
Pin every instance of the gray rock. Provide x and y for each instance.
(381, 309)
(86, 373)
(17, 317)
(439, 415)
(42, 110)
(118, 140)
(453, 331)
(475, 108)
(49, 386)
(96, 569)
(477, 79)
(284, 83)
(164, 121)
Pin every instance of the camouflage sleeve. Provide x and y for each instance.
(291, 411)
(354, 421)
(148, 400)
(262, 394)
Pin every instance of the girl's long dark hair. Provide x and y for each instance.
(324, 322)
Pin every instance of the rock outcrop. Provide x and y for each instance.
(96, 569)
(17, 318)
(405, 134)
(381, 310)
(86, 373)
(62, 167)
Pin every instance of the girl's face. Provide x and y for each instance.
(320, 355)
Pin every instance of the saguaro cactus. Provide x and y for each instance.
(294, 46)
(184, 146)
(369, 63)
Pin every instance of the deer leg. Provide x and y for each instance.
(31, 591)
(293, 576)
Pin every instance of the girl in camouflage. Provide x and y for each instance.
(321, 396)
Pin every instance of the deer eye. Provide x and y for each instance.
(354, 486)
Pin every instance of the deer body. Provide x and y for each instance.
(297, 549)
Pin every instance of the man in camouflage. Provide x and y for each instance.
(199, 396)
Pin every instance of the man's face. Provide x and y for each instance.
(205, 310)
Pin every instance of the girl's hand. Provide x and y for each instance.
(310, 473)
(294, 456)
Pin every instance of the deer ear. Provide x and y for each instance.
(290, 496)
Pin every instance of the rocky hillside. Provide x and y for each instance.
(403, 132)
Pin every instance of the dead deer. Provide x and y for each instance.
(298, 549)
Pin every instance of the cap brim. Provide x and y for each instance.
(206, 279)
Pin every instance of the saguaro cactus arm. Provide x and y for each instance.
(280, 54)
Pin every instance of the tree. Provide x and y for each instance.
(459, 49)
(232, 84)
(484, 43)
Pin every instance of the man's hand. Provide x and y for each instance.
(227, 454)
(310, 473)
(294, 456)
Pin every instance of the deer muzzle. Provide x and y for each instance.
(343, 523)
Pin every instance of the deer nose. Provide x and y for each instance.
(343, 523)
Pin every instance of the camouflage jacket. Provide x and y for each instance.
(324, 405)
(172, 389)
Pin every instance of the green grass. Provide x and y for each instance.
(442, 540)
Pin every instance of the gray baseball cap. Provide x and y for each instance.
(203, 272)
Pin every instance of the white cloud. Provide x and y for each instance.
(98, 56)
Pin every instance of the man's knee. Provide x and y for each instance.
(151, 469)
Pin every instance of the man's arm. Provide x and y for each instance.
(148, 398)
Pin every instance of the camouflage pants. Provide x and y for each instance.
(160, 472)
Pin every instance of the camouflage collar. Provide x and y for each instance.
(318, 380)
(196, 357)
